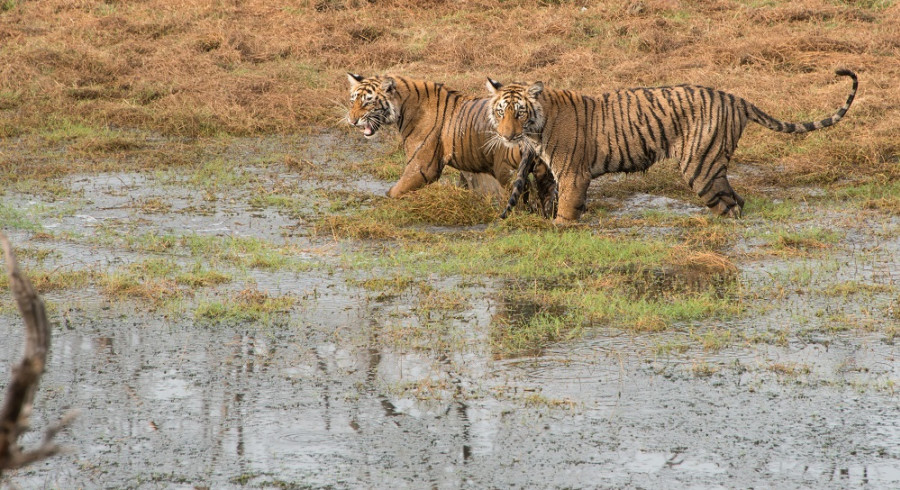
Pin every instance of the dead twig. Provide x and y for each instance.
(17, 405)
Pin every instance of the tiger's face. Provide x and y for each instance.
(371, 103)
(515, 112)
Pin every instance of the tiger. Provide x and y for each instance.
(582, 137)
(438, 127)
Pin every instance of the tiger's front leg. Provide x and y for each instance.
(573, 189)
(417, 174)
(546, 189)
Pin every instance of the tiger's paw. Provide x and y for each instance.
(564, 222)
(726, 210)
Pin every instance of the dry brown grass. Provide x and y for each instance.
(439, 204)
(201, 67)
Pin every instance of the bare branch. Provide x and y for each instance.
(17, 405)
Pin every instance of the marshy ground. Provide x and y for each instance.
(237, 305)
(265, 318)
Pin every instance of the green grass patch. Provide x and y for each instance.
(528, 336)
(244, 252)
(389, 167)
(16, 219)
(770, 210)
(9, 99)
(62, 129)
(562, 282)
(385, 286)
(850, 288)
(219, 174)
(312, 202)
(158, 280)
(199, 276)
(883, 197)
(219, 251)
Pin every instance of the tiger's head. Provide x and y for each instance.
(515, 111)
(372, 103)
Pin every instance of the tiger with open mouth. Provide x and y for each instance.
(438, 127)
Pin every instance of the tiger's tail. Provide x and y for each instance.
(760, 117)
(525, 168)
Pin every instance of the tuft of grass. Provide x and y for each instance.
(792, 242)
(438, 204)
(714, 339)
(152, 205)
(59, 130)
(788, 368)
(433, 205)
(538, 400)
(397, 283)
(122, 285)
(249, 305)
(150, 280)
(671, 347)
(53, 280)
(523, 222)
(363, 227)
(528, 337)
(107, 144)
(703, 369)
(199, 276)
(849, 288)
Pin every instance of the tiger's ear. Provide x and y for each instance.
(388, 84)
(493, 85)
(535, 89)
(354, 79)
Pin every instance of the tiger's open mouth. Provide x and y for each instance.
(368, 130)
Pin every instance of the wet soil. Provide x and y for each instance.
(330, 395)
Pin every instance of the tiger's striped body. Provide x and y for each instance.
(438, 127)
(583, 137)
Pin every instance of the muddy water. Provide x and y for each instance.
(330, 396)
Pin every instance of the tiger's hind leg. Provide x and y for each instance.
(718, 195)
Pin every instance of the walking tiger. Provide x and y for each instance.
(438, 127)
(582, 137)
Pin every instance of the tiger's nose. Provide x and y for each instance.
(352, 120)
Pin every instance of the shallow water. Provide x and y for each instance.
(330, 395)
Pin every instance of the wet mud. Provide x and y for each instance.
(333, 394)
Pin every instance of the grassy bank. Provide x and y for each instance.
(78, 72)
